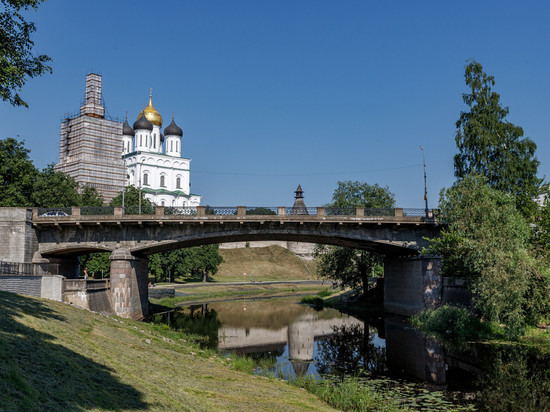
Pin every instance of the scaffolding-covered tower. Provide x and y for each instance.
(90, 145)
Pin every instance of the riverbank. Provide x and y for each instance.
(56, 357)
(198, 293)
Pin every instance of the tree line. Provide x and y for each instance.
(23, 185)
(497, 215)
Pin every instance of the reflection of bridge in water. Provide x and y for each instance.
(299, 335)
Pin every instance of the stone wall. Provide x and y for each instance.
(49, 287)
(18, 240)
(89, 294)
(454, 292)
(23, 285)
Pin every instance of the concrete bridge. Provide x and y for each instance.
(58, 236)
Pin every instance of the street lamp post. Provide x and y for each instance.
(139, 194)
(425, 185)
(126, 176)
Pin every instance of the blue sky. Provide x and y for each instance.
(272, 94)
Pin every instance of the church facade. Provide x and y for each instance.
(154, 160)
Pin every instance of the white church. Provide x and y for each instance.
(154, 160)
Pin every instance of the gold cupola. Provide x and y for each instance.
(151, 113)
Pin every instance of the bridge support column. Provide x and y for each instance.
(129, 285)
(412, 284)
(67, 267)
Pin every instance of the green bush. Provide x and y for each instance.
(324, 293)
(314, 301)
(454, 323)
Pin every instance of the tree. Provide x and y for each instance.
(260, 211)
(361, 194)
(17, 62)
(493, 147)
(200, 261)
(487, 242)
(131, 201)
(17, 174)
(353, 267)
(54, 189)
(97, 263)
(90, 197)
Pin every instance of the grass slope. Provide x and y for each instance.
(266, 263)
(56, 357)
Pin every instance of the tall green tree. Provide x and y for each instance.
(17, 62)
(89, 196)
(131, 201)
(491, 146)
(54, 189)
(17, 174)
(361, 194)
(350, 266)
(487, 242)
(98, 264)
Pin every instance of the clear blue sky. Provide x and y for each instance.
(272, 94)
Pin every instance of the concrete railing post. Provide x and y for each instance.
(34, 212)
(360, 211)
(118, 211)
(201, 210)
(321, 211)
(398, 211)
(281, 211)
(75, 211)
(241, 210)
(159, 210)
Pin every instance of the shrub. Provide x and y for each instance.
(453, 323)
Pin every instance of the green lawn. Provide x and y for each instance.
(56, 357)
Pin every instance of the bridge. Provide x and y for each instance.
(62, 234)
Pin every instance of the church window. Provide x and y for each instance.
(162, 203)
(154, 141)
(178, 182)
(176, 145)
(162, 181)
(140, 139)
(145, 179)
(171, 145)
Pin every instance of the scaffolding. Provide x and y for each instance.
(90, 147)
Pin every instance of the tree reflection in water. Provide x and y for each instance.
(350, 351)
(197, 320)
(513, 378)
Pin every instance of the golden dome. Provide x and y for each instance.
(151, 113)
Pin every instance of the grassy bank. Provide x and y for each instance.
(265, 264)
(56, 357)
(211, 292)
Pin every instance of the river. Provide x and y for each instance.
(290, 339)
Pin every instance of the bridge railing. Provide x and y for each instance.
(203, 211)
(54, 211)
(97, 211)
(16, 268)
(182, 211)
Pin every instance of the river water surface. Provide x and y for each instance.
(289, 339)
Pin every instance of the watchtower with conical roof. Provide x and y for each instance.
(299, 207)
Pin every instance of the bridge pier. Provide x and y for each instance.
(412, 284)
(129, 285)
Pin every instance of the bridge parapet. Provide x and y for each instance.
(109, 212)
